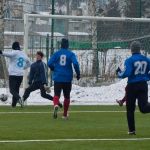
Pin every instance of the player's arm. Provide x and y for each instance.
(43, 70)
(27, 64)
(127, 69)
(7, 54)
(31, 75)
(76, 66)
(149, 68)
(51, 62)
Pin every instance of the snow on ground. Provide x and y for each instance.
(81, 95)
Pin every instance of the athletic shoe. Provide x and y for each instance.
(119, 102)
(55, 111)
(60, 105)
(65, 117)
(132, 133)
(21, 102)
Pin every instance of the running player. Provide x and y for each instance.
(61, 65)
(137, 69)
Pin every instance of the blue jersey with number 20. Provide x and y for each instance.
(61, 64)
(137, 68)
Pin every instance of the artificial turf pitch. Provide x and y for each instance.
(88, 128)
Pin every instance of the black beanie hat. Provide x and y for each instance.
(64, 43)
(135, 47)
(16, 46)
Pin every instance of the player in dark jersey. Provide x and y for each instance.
(38, 78)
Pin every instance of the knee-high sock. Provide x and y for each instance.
(55, 100)
(66, 106)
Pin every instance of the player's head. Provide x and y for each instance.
(16, 46)
(135, 47)
(39, 55)
(64, 43)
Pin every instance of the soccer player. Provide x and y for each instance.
(38, 78)
(18, 61)
(137, 69)
(61, 65)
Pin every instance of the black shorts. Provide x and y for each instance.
(65, 86)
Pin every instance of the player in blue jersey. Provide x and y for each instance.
(137, 69)
(61, 65)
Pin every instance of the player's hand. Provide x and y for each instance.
(118, 70)
(47, 88)
(1, 52)
(78, 77)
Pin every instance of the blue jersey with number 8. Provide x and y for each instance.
(61, 63)
(137, 68)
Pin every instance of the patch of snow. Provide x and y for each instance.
(81, 95)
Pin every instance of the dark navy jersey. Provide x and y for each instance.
(61, 64)
(136, 68)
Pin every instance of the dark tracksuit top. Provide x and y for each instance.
(38, 73)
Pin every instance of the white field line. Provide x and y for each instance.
(73, 140)
(28, 112)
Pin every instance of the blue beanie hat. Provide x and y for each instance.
(64, 43)
(16, 46)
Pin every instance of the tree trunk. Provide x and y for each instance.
(92, 12)
(3, 70)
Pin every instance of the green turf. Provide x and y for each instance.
(81, 125)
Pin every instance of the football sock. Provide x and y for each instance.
(66, 106)
(55, 100)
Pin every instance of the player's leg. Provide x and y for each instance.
(19, 81)
(57, 92)
(120, 102)
(30, 89)
(66, 91)
(12, 87)
(47, 96)
(44, 94)
(130, 106)
(143, 104)
(14, 101)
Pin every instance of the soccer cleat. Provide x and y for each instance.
(21, 102)
(119, 102)
(132, 133)
(60, 105)
(55, 111)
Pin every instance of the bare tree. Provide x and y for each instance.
(92, 12)
(3, 73)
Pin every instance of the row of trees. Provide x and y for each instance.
(114, 8)
(128, 8)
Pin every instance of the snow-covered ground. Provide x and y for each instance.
(81, 95)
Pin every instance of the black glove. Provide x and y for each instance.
(78, 77)
(1, 52)
(118, 70)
